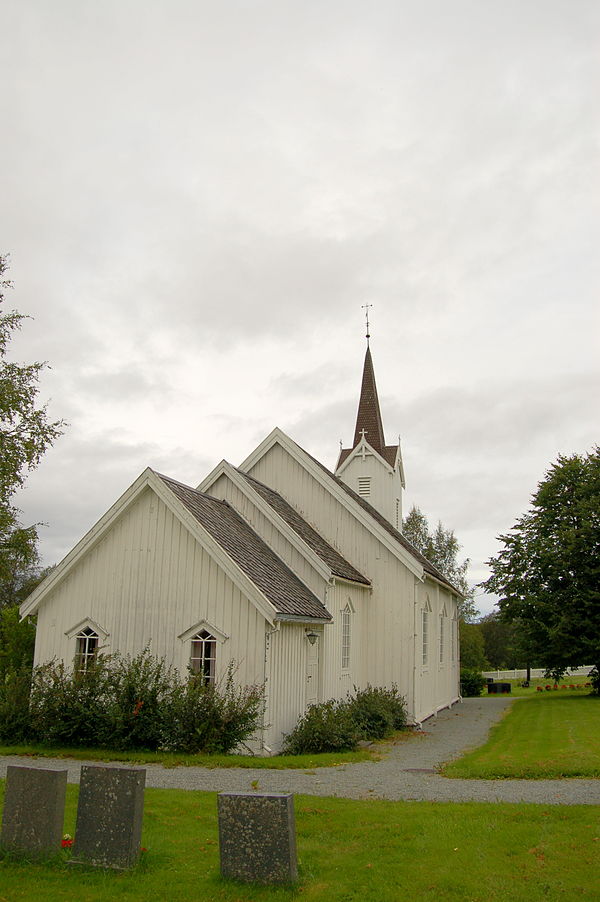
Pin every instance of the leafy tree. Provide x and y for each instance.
(441, 548)
(25, 434)
(547, 575)
(507, 645)
(500, 642)
(17, 640)
(472, 649)
(20, 582)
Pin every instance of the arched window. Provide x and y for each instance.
(425, 631)
(203, 658)
(346, 615)
(443, 616)
(87, 649)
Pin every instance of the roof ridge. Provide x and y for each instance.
(284, 589)
(322, 547)
(190, 488)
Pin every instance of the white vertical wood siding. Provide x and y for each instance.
(389, 634)
(336, 682)
(287, 681)
(437, 683)
(146, 582)
(385, 487)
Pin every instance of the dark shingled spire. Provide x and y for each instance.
(369, 414)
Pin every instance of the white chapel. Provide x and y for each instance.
(300, 576)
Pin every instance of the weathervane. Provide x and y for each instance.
(366, 309)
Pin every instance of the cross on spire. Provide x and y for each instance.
(366, 309)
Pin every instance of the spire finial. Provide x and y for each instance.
(366, 309)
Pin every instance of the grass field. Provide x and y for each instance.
(551, 735)
(581, 682)
(377, 851)
(175, 759)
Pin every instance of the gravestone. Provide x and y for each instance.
(109, 816)
(257, 836)
(34, 810)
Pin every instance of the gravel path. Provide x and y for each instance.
(406, 771)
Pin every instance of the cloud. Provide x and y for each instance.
(80, 479)
(201, 198)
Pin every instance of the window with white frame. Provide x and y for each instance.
(203, 658)
(346, 636)
(87, 649)
(454, 638)
(442, 634)
(425, 631)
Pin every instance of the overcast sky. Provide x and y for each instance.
(197, 197)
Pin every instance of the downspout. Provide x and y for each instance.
(414, 679)
(267, 684)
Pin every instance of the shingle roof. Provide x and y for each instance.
(369, 414)
(261, 565)
(368, 418)
(339, 565)
(388, 452)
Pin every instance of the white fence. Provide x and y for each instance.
(536, 673)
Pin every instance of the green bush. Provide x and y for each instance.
(377, 711)
(139, 703)
(328, 727)
(15, 686)
(142, 693)
(472, 683)
(213, 717)
(69, 708)
(335, 726)
(594, 676)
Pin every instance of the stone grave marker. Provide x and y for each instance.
(257, 836)
(34, 810)
(109, 816)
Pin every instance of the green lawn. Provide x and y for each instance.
(377, 851)
(175, 759)
(581, 682)
(550, 735)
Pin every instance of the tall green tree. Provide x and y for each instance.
(547, 575)
(441, 547)
(500, 642)
(472, 648)
(26, 432)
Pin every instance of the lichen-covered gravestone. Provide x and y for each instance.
(109, 816)
(257, 837)
(34, 810)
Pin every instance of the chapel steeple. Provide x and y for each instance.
(370, 467)
(368, 418)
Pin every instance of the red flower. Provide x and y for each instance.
(66, 843)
